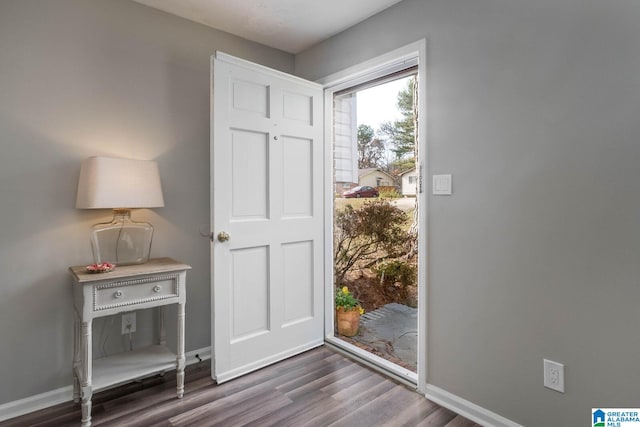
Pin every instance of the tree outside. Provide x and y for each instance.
(400, 134)
(371, 150)
(391, 145)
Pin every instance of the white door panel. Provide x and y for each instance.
(297, 177)
(267, 174)
(249, 175)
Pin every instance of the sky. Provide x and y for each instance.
(378, 104)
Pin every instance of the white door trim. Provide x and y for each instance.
(379, 66)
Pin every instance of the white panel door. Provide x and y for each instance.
(267, 167)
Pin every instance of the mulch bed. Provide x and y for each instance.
(372, 295)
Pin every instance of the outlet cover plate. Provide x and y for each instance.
(128, 319)
(553, 375)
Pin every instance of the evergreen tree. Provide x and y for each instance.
(401, 133)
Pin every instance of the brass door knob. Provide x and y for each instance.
(223, 236)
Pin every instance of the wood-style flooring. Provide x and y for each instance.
(316, 388)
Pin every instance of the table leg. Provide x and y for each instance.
(180, 359)
(86, 413)
(87, 359)
(163, 335)
(76, 357)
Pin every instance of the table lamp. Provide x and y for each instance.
(121, 185)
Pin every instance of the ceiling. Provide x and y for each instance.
(289, 25)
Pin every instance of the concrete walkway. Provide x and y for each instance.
(391, 332)
(404, 203)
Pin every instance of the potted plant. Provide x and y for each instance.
(348, 311)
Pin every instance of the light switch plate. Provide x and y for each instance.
(442, 185)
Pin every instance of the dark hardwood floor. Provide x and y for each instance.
(316, 388)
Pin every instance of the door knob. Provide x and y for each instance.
(223, 236)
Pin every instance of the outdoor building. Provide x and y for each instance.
(345, 151)
(375, 177)
(409, 182)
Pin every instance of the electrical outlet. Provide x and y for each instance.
(128, 322)
(553, 375)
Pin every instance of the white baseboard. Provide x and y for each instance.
(467, 409)
(64, 394)
(201, 353)
(35, 403)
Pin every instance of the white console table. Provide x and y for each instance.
(156, 283)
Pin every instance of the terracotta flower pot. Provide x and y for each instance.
(348, 321)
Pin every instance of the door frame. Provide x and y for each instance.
(396, 60)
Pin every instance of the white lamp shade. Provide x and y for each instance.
(107, 182)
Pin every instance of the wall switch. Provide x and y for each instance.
(128, 322)
(442, 185)
(553, 375)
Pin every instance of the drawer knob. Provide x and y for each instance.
(117, 294)
(157, 288)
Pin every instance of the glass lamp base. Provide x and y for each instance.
(121, 241)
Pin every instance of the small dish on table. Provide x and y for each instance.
(103, 267)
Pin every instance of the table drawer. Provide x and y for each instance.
(132, 292)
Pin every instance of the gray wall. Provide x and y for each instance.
(102, 77)
(534, 108)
